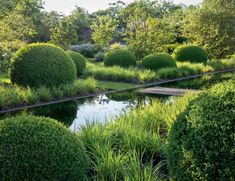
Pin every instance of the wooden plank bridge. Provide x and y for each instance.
(166, 91)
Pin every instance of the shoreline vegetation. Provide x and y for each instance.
(17, 98)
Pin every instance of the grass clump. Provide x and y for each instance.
(38, 148)
(222, 64)
(116, 73)
(133, 146)
(13, 96)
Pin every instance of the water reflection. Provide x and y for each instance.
(101, 108)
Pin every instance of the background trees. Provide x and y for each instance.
(213, 26)
(145, 26)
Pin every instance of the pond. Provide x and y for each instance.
(102, 108)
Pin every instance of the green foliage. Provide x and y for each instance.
(109, 85)
(170, 48)
(201, 141)
(120, 57)
(104, 30)
(81, 19)
(150, 25)
(222, 64)
(135, 75)
(38, 148)
(87, 50)
(211, 26)
(157, 61)
(19, 20)
(191, 53)
(183, 69)
(42, 64)
(117, 73)
(16, 26)
(72, 29)
(7, 50)
(132, 147)
(13, 96)
(64, 34)
(99, 57)
(204, 82)
(46, 23)
(149, 34)
(116, 46)
(79, 60)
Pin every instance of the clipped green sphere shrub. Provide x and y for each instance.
(42, 64)
(79, 60)
(39, 148)
(191, 53)
(158, 61)
(120, 57)
(202, 140)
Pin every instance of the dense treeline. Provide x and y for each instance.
(145, 26)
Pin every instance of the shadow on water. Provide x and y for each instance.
(101, 108)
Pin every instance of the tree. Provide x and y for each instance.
(104, 30)
(213, 26)
(80, 18)
(72, 29)
(16, 27)
(146, 32)
(48, 21)
(18, 16)
(64, 34)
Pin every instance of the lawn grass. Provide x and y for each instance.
(108, 85)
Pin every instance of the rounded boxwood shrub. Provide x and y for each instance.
(79, 60)
(38, 148)
(202, 140)
(191, 53)
(120, 57)
(158, 61)
(42, 64)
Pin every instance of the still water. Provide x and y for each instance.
(102, 108)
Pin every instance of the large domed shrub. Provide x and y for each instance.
(79, 60)
(157, 61)
(191, 53)
(202, 140)
(120, 57)
(38, 148)
(42, 64)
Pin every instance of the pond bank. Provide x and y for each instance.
(69, 98)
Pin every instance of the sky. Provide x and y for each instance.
(66, 6)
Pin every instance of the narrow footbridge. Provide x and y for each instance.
(166, 91)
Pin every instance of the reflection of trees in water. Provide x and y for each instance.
(67, 112)
(63, 112)
(102, 99)
(135, 99)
